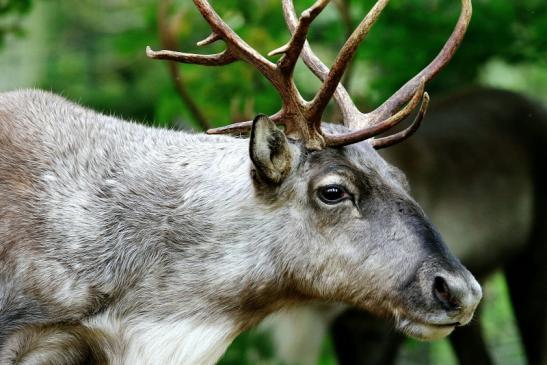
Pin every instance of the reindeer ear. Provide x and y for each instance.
(269, 150)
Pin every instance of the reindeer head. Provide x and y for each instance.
(342, 204)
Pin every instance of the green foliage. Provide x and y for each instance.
(11, 12)
(250, 348)
(254, 347)
(14, 6)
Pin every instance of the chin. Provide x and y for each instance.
(424, 331)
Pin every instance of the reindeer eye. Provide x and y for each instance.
(332, 194)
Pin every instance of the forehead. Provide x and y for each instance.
(357, 158)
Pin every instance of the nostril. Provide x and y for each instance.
(443, 294)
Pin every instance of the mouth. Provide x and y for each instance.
(425, 331)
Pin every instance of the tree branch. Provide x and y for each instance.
(168, 41)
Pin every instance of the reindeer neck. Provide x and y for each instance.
(188, 266)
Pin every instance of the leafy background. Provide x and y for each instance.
(93, 52)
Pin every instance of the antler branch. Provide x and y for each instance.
(347, 52)
(431, 70)
(404, 134)
(217, 59)
(292, 49)
(211, 38)
(373, 130)
(167, 39)
(320, 70)
(236, 46)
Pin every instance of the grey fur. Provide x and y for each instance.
(99, 215)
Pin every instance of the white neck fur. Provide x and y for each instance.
(167, 342)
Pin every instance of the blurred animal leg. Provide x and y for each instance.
(360, 338)
(469, 344)
(526, 275)
(527, 280)
(298, 333)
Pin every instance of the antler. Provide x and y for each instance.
(302, 119)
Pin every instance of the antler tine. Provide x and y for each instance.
(210, 39)
(341, 96)
(217, 59)
(430, 71)
(321, 99)
(299, 33)
(243, 127)
(235, 44)
(373, 130)
(404, 134)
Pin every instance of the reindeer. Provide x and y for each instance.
(124, 244)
